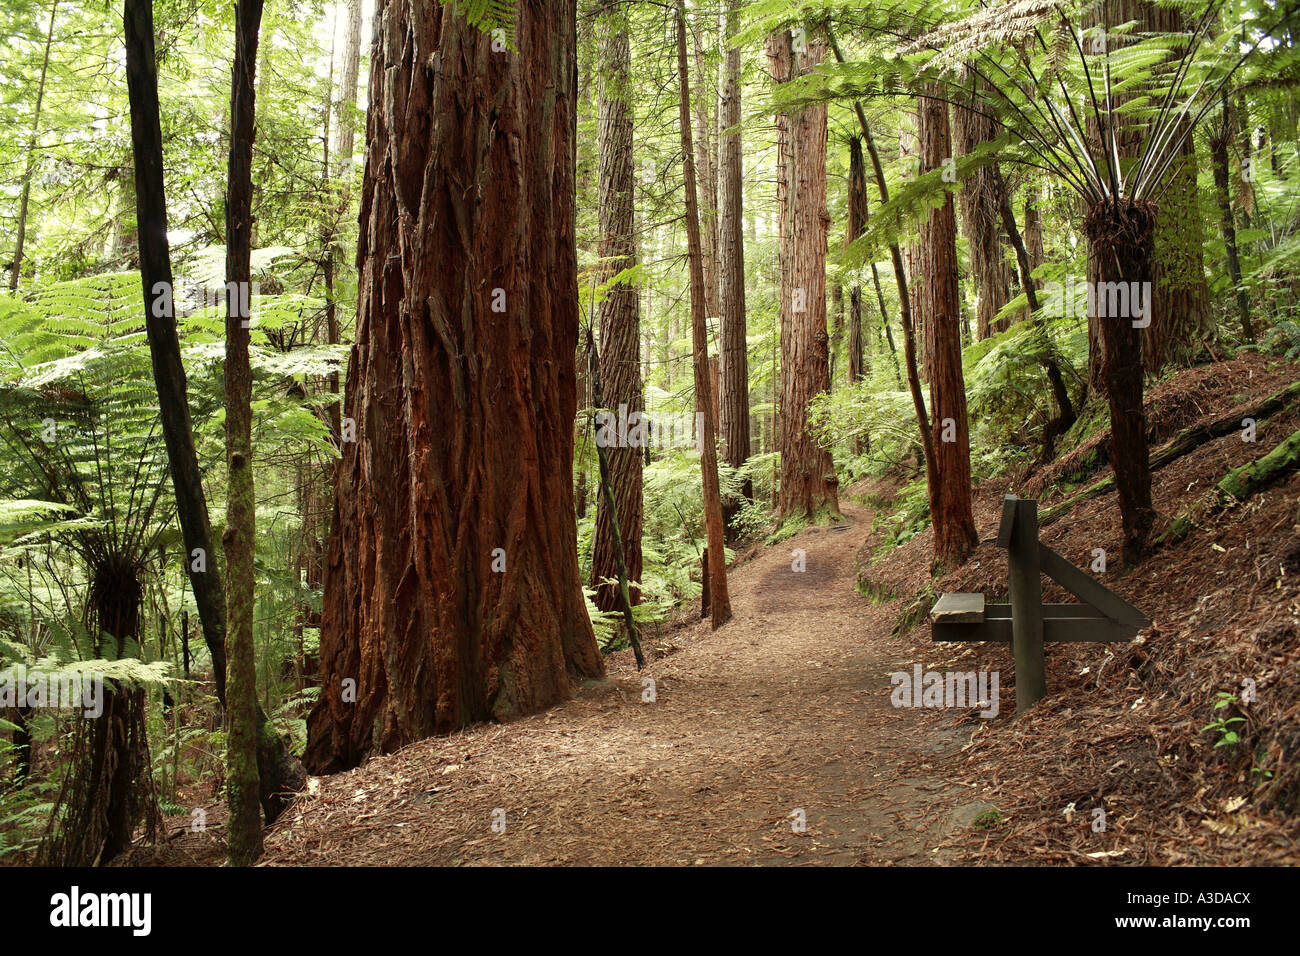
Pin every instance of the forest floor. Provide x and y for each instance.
(769, 740)
(773, 739)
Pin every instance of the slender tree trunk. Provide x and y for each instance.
(1219, 160)
(1033, 237)
(346, 124)
(620, 315)
(280, 773)
(720, 601)
(884, 322)
(808, 482)
(243, 828)
(904, 300)
(1066, 415)
(733, 350)
(950, 496)
(452, 590)
(857, 225)
(25, 197)
(706, 166)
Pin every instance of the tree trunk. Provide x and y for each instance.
(1065, 415)
(980, 217)
(1033, 240)
(950, 495)
(108, 790)
(857, 225)
(620, 313)
(345, 147)
(244, 831)
(452, 591)
(280, 773)
(1181, 318)
(346, 124)
(720, 601)
(1120, 237)
(808, 482)
(904, 300)
(707, 169)
(25, 197)
(1219, 160)
(733, 351)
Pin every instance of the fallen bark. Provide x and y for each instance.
(1238, 485)
(1183, 443)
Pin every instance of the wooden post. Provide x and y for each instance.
(1026, 589)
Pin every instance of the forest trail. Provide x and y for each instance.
(784, 709)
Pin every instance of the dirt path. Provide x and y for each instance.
(784, 711)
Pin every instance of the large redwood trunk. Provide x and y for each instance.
(950, 479)
(620, 312)
(1181, 319)
(452, 592)
(980, 216)
(808, 483)
(732, 350)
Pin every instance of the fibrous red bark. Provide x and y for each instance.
(808, 482)
(950, 479)
(452, 590)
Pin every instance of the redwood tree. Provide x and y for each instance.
(452, 591)
(980, 215)
(620, 312)
(808, 483)
(950, 484)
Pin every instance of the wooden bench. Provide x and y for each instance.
(1027, 623)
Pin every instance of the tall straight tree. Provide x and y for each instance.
(279, 771)
(26, 193)
(243, 828)
(720, 601)
(452, 591)
(732, 348)
(1219, 161)
(950, 487)
(855, 227)
(808, 483)
(1181, 318)
(346, 124)
(980, 217)
(703, 25)
(620, 312)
